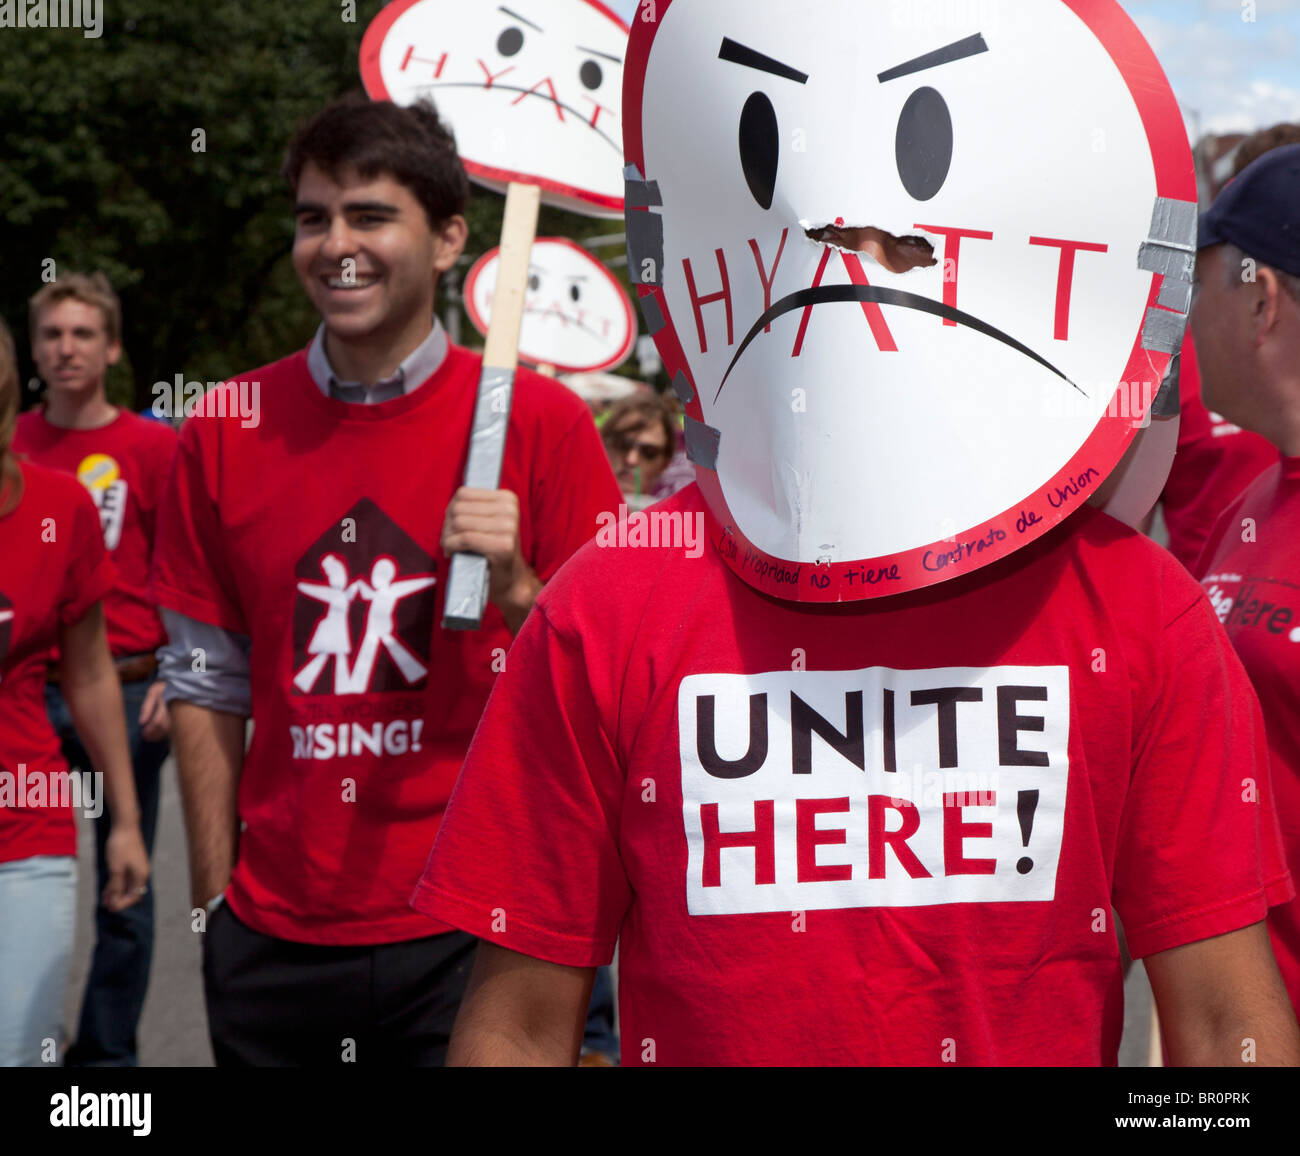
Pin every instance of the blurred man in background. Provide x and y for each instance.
(123, 461)
(1216, 459)
(1246, 321)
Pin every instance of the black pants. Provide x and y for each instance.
(274, 1003)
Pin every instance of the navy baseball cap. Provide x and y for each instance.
(1259, 211)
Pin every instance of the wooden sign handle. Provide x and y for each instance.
(467, 581)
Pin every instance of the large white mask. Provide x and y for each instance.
(857, 432)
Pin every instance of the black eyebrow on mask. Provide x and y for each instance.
(602, 55)
(516, 16)
(735, 53)
(959, 50)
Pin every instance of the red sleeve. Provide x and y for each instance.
(576, 487)
(1199, 850)
(527, 856)
(1221, 530)
(90, 573)
(191, 572)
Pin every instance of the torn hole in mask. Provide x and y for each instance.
(896, 254)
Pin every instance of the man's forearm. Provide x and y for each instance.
(479, 1044)
(519, 601)
(95, 704)
(1255, 1028)
(1222, 1002)
(520, 1012)
(209, 748)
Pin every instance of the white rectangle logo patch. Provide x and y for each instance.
(807, 790)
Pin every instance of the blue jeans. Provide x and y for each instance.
(599, 1035)
(38, 909)
(119, 969)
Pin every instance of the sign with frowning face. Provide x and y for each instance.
(532, 89)
(577, 317)
(917, 270)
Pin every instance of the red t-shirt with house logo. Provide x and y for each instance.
(1251, 571)
(885, 832)
(124, 465)
(314, 528)
(53, 568)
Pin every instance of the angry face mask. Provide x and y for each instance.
(577, 317)
(533, 89)
(918, 270)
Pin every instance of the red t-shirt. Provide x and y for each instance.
(53, 568)
(887, 832)
(1251, 571)
(316, 533)
(124, 465)
(1215, 461)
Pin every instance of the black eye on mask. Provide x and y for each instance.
(510, 42)
(923, 144)
(575, 292)
(534, 282)
(591, 75)
(760, 147)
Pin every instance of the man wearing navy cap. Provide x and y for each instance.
(1246, 322)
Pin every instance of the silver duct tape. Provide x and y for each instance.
(1176, 295)
(1167, 401)
(653, 314)
(1171, 252)
(1174, 223)
(1162, 332)
(632, 173)
(682, 388)
(1176, 263)
(467, 586)
(702, 443)
(642, 195)
(487, 438)
(645, 248)
(467, 580)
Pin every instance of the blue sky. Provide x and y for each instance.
(1234, 64)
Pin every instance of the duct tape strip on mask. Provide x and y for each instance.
(1171, 252)
(702, 443)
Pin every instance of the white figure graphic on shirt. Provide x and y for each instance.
(332, 637)
(383, 594)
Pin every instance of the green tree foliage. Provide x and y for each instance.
(153, 154)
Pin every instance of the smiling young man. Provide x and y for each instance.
(123, 460)
(315, 542)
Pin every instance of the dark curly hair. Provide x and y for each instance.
(409, 144)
